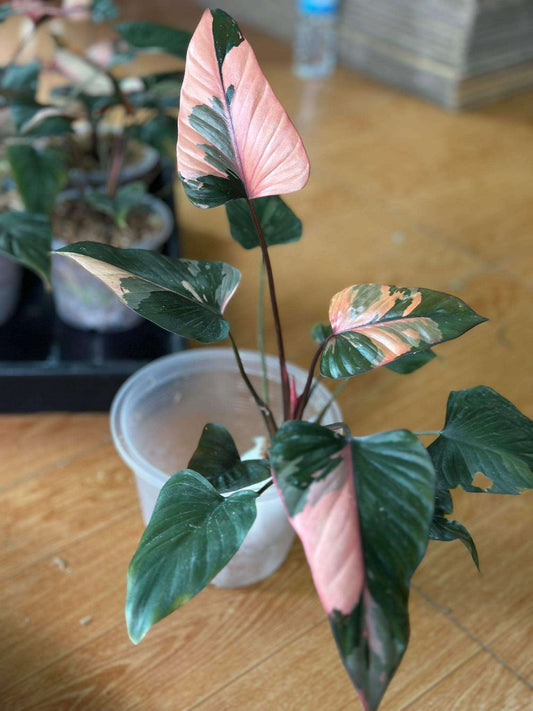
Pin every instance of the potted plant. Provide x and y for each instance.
(47, 154)
(363, 507)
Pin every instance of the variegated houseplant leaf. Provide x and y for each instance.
(192, 534)
(362, 508)
(484, 433)
(373, 325)
(183, 296)
(235, 139)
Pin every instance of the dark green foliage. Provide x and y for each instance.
(40, 174)
(27, 238)
(216, 458)
(151, 36)
(192, 535)
(484, 433)
(278, 222)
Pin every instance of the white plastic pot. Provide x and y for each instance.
(10, 281)
(157, 418)
(82, 300)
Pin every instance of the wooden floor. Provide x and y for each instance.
(400, 193)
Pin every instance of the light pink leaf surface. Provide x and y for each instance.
(247, 130)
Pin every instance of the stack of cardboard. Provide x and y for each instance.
(458, 53)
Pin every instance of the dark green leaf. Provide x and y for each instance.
(154, 37)
(103, 10)
(443, 529)
(226, 34)
(127, 198)
(22, 77)
(216, 458)
(161, 133)
(484, 433)
(181, 295)
(39, 175)
(395, 485)
(28, 239)
(320, 332)
(278, 222)
(193, 533)
(411, 362)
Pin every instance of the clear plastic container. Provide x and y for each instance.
(157, 418)
(315, 39)
(82, 300)
(10, 281)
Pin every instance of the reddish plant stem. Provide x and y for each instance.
(285, 385)
(304, 397)
(264, 409)
(116, 163)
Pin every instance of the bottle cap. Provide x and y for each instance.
(318, 7)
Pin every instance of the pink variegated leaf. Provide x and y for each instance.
(362, 508)
(235, 140)
(374, 324)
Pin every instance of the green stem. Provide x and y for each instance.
(427, 432)
(263, 407)
(261, 330)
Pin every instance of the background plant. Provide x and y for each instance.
(39, 133)
(363, 507)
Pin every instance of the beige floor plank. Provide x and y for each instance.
(32, 443)
(42, 515)
(60, 602)
(191, 654)
(481, 684)
(311, 665)
(493, 602)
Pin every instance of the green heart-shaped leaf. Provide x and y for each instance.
(193, 533)
(217, 459)
(484, 433)
(181, 295)
(278, 222)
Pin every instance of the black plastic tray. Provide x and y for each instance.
(47, 366)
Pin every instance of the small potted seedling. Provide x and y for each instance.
(364, 507)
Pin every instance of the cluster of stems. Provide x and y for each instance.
(291, 410)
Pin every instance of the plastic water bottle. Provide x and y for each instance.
(315, 39)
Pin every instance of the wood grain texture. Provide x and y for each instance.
(400, 193)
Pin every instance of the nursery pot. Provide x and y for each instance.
(157, 418)
(82, 300)
(10, 281)
(144, 168)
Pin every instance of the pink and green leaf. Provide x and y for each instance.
(362, 508)
(235, 139)
(373, 325)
